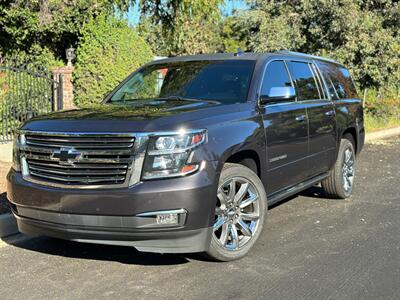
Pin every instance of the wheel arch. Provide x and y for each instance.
(248, 158)
(351, 131)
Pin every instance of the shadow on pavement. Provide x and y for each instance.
(4, 207)
(123, 255)
(313, 192)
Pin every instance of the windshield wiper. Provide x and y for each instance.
(169, 98)
(180, 98)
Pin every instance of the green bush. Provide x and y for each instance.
(108, 51)
(36, 56)
(381, 109)
(382, 105)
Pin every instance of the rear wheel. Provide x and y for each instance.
(340, 183)
(239, 213)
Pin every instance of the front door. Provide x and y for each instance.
(286, 133)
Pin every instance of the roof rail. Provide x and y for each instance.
(306, 55)
(239, 52)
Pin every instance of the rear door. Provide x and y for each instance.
(321, 116)
(286, 132)
(348, 107)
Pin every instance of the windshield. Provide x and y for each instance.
(223, 81)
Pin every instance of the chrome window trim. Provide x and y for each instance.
(317, 76)
(322, 80)
(325, 84)
(317, 81)
(309, 63)
(134, 172)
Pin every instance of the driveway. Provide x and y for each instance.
(312, 248)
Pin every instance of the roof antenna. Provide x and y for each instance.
(239, 52)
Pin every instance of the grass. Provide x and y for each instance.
(381, 109)
(372, 123)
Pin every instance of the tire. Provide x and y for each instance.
(239, 215)
(336, 186)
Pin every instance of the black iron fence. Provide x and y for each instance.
(26, 91)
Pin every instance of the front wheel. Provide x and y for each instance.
(239, 213)
(340, 183)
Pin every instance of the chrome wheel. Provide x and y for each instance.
(237, 213)
(348, 169)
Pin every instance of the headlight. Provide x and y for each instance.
(167, 155)
(18, 141)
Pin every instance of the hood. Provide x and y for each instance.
(157, 115)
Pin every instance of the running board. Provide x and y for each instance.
(278, 196)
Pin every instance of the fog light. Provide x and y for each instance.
(167, 219)
(173, 217)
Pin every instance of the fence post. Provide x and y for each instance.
(364, 97)
(67, 90)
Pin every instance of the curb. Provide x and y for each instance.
(6, 150)
(8, 225)
(382, 134)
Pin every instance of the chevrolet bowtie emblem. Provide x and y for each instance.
(66, 155)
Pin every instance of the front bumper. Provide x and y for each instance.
(182, 241)
(115, 216)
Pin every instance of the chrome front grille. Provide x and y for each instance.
(80, 142)
(78, 160)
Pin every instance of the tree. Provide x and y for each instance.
(183, 26)
(363, 35)
(233, 35)
(29, 26)
(107, 52)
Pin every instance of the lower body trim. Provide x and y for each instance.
(159, 241)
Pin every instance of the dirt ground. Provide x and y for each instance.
(4, 167)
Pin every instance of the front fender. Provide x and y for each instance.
(242, 131)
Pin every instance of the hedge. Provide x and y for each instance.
(108, 51)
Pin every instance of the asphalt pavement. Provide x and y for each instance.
(311, 248)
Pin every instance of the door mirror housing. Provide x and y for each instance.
(278, 94)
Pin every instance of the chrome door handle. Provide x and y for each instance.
(329, 113)
(300, 118)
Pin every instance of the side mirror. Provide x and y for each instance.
(278, 94)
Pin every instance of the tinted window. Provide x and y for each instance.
(305, 83)
(276, 75)
(339, 81)
(224, 81)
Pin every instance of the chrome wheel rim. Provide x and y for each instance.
(237, 214)
(348, 169)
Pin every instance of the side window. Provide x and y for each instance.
(276, 75)
(305, 83)
(339, 81)
(331, 86)
(347, 83)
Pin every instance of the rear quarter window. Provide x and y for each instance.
(338, 79)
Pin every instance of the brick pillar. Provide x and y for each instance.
(67, 87)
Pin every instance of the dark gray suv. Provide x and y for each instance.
(186, 154)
